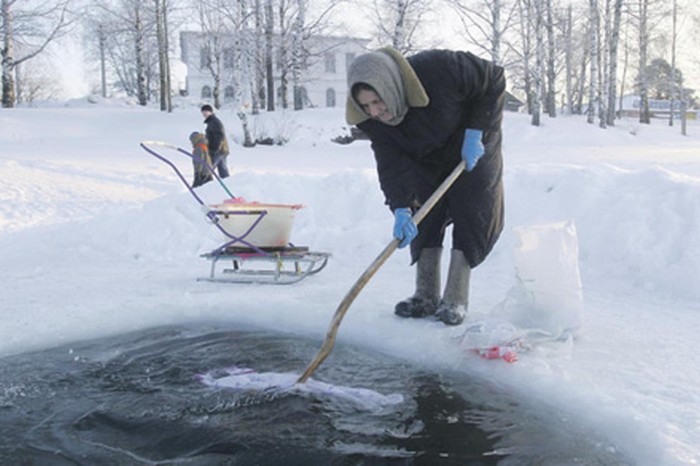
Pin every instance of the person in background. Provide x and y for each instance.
(200, 159)
(423, 115)
(216, 137)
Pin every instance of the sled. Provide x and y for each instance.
(256, 246)
(276, 265)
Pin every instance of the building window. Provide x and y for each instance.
(349, 57)
(229, 94)
(229, 58)
(204, 58)
(330, 97)
(206, 92)
(301, 98)
(330, 62)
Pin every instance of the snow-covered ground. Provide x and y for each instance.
(97, 238)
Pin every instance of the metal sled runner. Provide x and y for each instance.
(286, 265)
(257, 246)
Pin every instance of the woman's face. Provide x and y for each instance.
(374, 106)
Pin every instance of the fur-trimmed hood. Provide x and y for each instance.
(373, 69)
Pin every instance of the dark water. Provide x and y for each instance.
(135, 399)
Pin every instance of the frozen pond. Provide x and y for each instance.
(137, 399)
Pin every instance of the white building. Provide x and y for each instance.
(323, 80)
(631, 105)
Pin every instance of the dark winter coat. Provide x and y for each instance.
(216, 135)
(414, 157)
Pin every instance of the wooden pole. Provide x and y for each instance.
(329, 341)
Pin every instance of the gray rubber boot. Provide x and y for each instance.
(425, 300)
(453, 307)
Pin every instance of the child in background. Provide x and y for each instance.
(200, 160)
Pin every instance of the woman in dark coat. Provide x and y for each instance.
(423, 114)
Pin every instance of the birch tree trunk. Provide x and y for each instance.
(539, 57)
(684, 116)
(269, 70)
(162, 57)
(258, 88)
(625, 64)
(612, 76)
(524, 10)
(681, 91)
(674, 86)
(102, 38)
(283, 63)
(592, 44)
(583, 74)
(602, 44)
(644, 113)
(8, 64)
(551, 100)
(244, 66)
(568, 59)
(398, 38)
(166, 45)
(496, 32)
(139, 50)
(297, 53)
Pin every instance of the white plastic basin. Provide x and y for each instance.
(274, 225)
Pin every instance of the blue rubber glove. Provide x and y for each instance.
(404, 227)
(472, 147)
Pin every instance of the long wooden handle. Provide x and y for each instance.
(369, 273)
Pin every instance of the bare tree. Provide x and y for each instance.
(644, 113)
(537, 71)
(298, 53)
(258, 89)
(239, 41)
(161, 19)
(551, 99)
(33, 29)
(524, 50)
(292, 32)
(602, 42)
(269, 70)
(246, 69)
(677, 88)
(398, 21)
(240, 63)
(214, 32)
(485, 23)
(625, 63)
(102, 43)
(34, 81)
(583, 67)
(139, 52)
(674, 87)
(297, 31)
(613, 41)
(568, 58)
(595, 62)
(125, 34)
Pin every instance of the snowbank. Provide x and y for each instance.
(97, 237)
